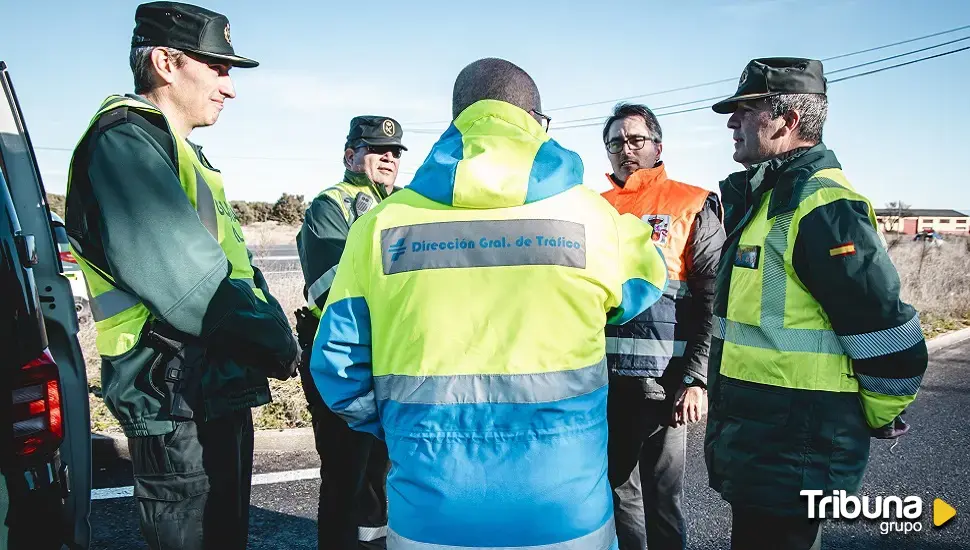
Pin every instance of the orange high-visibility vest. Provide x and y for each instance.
(645, 346)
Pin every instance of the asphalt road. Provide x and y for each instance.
(280, 251)
(278, 260)
(933, 461)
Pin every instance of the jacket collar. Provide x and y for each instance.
(360, 179)
(195, 147)
(790, 175)
(642, 179)
(741, 192)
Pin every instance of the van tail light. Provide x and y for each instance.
(67, 257)
(38, 423)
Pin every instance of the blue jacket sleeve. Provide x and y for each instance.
(341, 360)
(642, 269)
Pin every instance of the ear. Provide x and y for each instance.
(792, 119)
(660, 149)
(349, 159)
(164, 65)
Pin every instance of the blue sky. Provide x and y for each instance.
(900, 134)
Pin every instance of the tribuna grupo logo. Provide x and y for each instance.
(896, 514)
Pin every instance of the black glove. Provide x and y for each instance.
(286, 370)
(895, 429)
(305, 358)
(306, 327)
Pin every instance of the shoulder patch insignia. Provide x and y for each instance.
(363, 203)
(846, 249)
(661, 227)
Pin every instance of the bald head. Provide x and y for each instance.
(492, 78)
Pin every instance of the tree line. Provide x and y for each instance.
(287, 210)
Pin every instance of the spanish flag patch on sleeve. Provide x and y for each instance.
(846, 249)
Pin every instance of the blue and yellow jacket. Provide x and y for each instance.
(465, 326)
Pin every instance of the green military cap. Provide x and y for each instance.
(188, 28)
(375, 130)
(771, 76)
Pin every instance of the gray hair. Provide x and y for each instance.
(812, 108)
(140, 60)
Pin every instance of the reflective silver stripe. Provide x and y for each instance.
(601, 539)
(772, 333)
(645, 347)
(677, 289)
(367, 534)
(883, 342)
(780, 339)
(774, 284)
(250, 282)
(775, 278)
(890, 386)
(321, 286)
(111, 303)
(344, 198)
(492, 388)
(205, 205)
(483, 243)
(360, 410)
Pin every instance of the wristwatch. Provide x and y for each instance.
(690, 381)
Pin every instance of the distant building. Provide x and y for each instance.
(913, 220)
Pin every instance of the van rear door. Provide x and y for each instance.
(57, 303)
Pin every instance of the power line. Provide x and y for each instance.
(400, 172)
(842, 79)
(232, 157)
(837, 71)
(881, 69)
(897, 56)
(567, 123)
(899, 43)
(596, 121)
(723, 80)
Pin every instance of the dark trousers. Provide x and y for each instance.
(646, 468)
(352, 511)
(193, 485)
(756, 530)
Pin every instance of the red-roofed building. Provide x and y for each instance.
(914, 220)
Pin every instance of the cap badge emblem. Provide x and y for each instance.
(744, 78)
(226, 32)
(388, 127)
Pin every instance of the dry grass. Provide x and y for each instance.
(940, 290)
(261, 235)
(935, 279)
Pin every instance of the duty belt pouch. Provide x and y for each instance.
(178, 371)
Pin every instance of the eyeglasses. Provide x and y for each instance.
(615, 145)
(383, 150)
(543, 119)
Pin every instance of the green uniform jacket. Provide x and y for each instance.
(765, 444)
(320, 241)
(128, 215)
